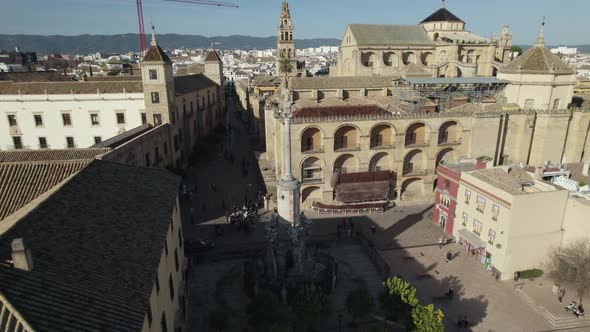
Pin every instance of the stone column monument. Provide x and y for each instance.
(288, 188)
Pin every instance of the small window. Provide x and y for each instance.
(163, 324)
(157, 282)
(143, 118)
(153, 74)
(491, 236)
(180, 238)
(12, 120)
(147, 164)
(155, 97)
(467, 196)
(171, 286)
(192, 106)
(94, 119)
(165, 148)
(157, 153)
(97, 139)
(176, 259)
(465, 218)
(38, 120)
(173, 119)
(556, 104)
(42, 143)
(120, 118)
(149, 315)
(18, 143)
(495, 212)
(166, 246)
(480, 204)
(477, 227)
(67, 120)
(157, 119)
(70, 142)
(529, 104)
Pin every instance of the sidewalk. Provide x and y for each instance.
(539, 296)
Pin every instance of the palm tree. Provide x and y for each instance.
(285, 66)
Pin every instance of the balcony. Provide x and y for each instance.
(312, 181)
(383, 147)
(418, 172)
(312, 149)
(348, 147)
(450, 142)
(416, 143)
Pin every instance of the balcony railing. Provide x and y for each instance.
(385, 146)
(312, 149)
(348, 147)
(312, 181)
(415, 172)
(417, 143)
(449, 142)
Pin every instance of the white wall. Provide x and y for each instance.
(80, 107)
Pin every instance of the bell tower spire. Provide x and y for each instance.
(540, 42)
(286, 39)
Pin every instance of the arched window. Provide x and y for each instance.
(282, 35)
(556, 104)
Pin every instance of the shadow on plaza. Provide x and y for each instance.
(430, 289)
(389, 257)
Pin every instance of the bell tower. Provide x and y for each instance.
(286, 40)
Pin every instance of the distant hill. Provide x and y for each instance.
(85, 44)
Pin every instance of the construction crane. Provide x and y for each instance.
(198, 2)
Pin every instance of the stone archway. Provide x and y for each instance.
(346, 163)
(379, 162)
(444, 155)
(310, 195)
(414, 163)
(346, 138)
(412, 189)
(311, 140)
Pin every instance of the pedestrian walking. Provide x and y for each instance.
(516, 276)
(440, 243)
(449, 256)
(373, 230)
(561, 294)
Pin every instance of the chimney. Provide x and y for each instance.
(539, 170)
(586, 168)
(21, 255)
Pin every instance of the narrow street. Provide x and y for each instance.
(221, 183)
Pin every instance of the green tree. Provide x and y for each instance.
(426, 319)
(398, 299)
(570, 265)
(264, 310)
(310, 304)
(359, 303)
(218, 320)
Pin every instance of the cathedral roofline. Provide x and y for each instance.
(442, 15)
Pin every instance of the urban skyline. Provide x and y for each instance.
(69, 17)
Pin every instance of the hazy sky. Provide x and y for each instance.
(567, 20)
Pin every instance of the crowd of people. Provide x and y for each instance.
(245, 217)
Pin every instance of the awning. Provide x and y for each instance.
(363, 187)
(470, 237)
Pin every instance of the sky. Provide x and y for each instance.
(567, 20)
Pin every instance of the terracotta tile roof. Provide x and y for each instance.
(64, 88)
(213, 56)
(96, 245)
(20, 183)
(382, 34)
(313, 112)
(34, 76)
(191, 83)
(442, 15)
(113, 78)
(156, 54)
(26, 174)
(538, 59)
(125, 137)
(50, 155)
(344, 82)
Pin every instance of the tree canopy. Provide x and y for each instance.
(359, 303)
(311, 303)
(570, 265)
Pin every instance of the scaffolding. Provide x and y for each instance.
(416, 93)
